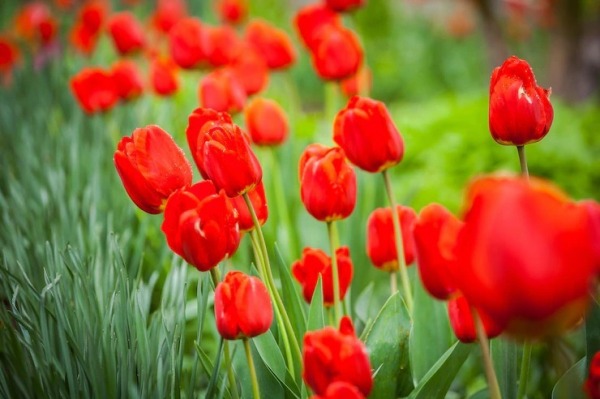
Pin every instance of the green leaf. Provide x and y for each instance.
(569, 386)
(291, 299)
(270, 354)
(436, 383)
(387, 341)
(592, 331)
(316, 317)
(505, 356)
(364, 303)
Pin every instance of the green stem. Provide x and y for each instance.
(523, 161)
(524, 374)
(332, 100)
(255, 389)
(393, 282)
(399, 244)
(490, 373)
(337, 306)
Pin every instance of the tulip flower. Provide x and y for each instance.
(592, 382)
(344, 5)
(164, 76)
(126, 32)
(331, 356)
(151, 167)
(128, 79)
(358, 83)
(381, 247)
(250, 69)
(336, 53)
(273, 43)
(167, 13)
(242, 306)
(188, 43)
(88, 25)
(369, 137)
(327, 183)
(232, 11)
(340, 390)
(266, 122)
(223, 45)
(222, 152)
(201, 225)
(35, 23)
(461, 320)
(222, 91)
(259, 203)
(95, 90)
(10, 55)
(526, 255)
(311, 19)
(314, 264)
(520, 110)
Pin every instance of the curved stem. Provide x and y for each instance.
(523, 161)
(337, 306)
(399, 244)
(484, 344)
(255, 389)
(524, 374)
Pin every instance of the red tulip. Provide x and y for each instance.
(250, 69)
(201, 225)
(128, 79)
(222, 152)
(151, 167)
(163, 76)
(10, 55)
(88, 25)
(381, 244)
(435, 238)
(223, 45)
(187, 43)
(332, 356)
(461, 320)
(167, 13)
(126, 32)
(340, 390)
(35, 23)
(95, 90)
(592, 383)
(327, 183)
(232, 11)
(337, 53)
(220, 90)
(242, 306)
(369, 137)
(520, 110)
(527, 255)
(316, 263)
(274, 44)
(266, 122)
(259, 203)
(311, 19)
(344, 5)
(358, 83)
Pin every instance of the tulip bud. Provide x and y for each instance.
(311, 19)
(187, 43)
(126, 32)
(266, 122)
(163, 76)
(337, 53)
(220, 90)
(250, 69)
(128, 79)
(232, 11)
(95, 90)
(167, 13)
(274, 44)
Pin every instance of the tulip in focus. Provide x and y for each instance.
(95, 90)
(151, 167)
(259, 203)
(232, 11)
(461, 320)
(266, 122)
(272, 43)
(222, 91)
(126, 32)
(337, 53)
(128, 79)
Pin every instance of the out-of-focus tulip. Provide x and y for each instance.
(10, 55)
(243, 307)
(381, 244)
(369, 137)
(167, 13)
(250, 69)
(358, 83)
(222, 152)
(95, 90)
(520, 110)
(592, 382)
(331, 356)
(187, 43)
(164, 76)
(201, 225)
(316, 263)
(232, 11)
(337, 53)
(527, 255)
(223, 45)
(340, 390)
(272, 43)
(311, 19)
(461, 320)
(35, 23)
(88, 24)
(126, 32)
(327, 183)
(220, 90)
(435, 238)
(151, 167)
(259, 203)
(344, 5)
(128, 79)
(266, 122)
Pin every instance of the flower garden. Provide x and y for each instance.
(299, 199)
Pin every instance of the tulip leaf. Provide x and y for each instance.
(364, 303)
(387, 341)
(316, 318)
(291, 298)
(437, 381)
(592, 330)
(269, 351)
(571, 382)
(505, 356)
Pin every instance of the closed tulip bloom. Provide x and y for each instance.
(337, 53)
(128, 79)
(592, 383)
(35, 23)
(331, 356)
(188, 43)
(435, 240)
(344, 5)
(273, 43)
(10, 55)
(164, 76)
(527, 255)
(126, 32)
(222, 152)
(461, 320)
(327, 183)
(223, 44)
(242, 306)
(266, 122)
(311, 18)
(88, 25)
(95, 90)
(520, 110)
(222, 91)
(340, 390)
(151, 167)
(316, 263)
(250, 69)
(201, 225)
(369, 137)
(232, 11)
(167, 13)
(259, 202)
(381, 244)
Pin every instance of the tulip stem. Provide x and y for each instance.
(393, 282)
(255, 389)
(490, 373)
(399, 244)
(524, 374)
(332, 99)
(523, 161)
(337, 306)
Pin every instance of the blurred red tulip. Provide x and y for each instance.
(259, 203)
(164, 76)
(10, 56)
(381, 244)
(344, 5)
(95, 90)
(331, 356)
(311, 19)
(592, 382)
(358, 83)
(250, 69)
(88, 24)
(223, 45)
(188, 43)
(337, 53)
(220, 90)
(243, 307)
(327, 183)
(340, 390)
(128, 79)
(232, 11)
(34, 22)
(151, 167)
(520, 110)
(272, 43)
(461, 320)
(369, 137)
(167, 13)
(266, 122)
(316, 263)
(201, 225)
(126, 32)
